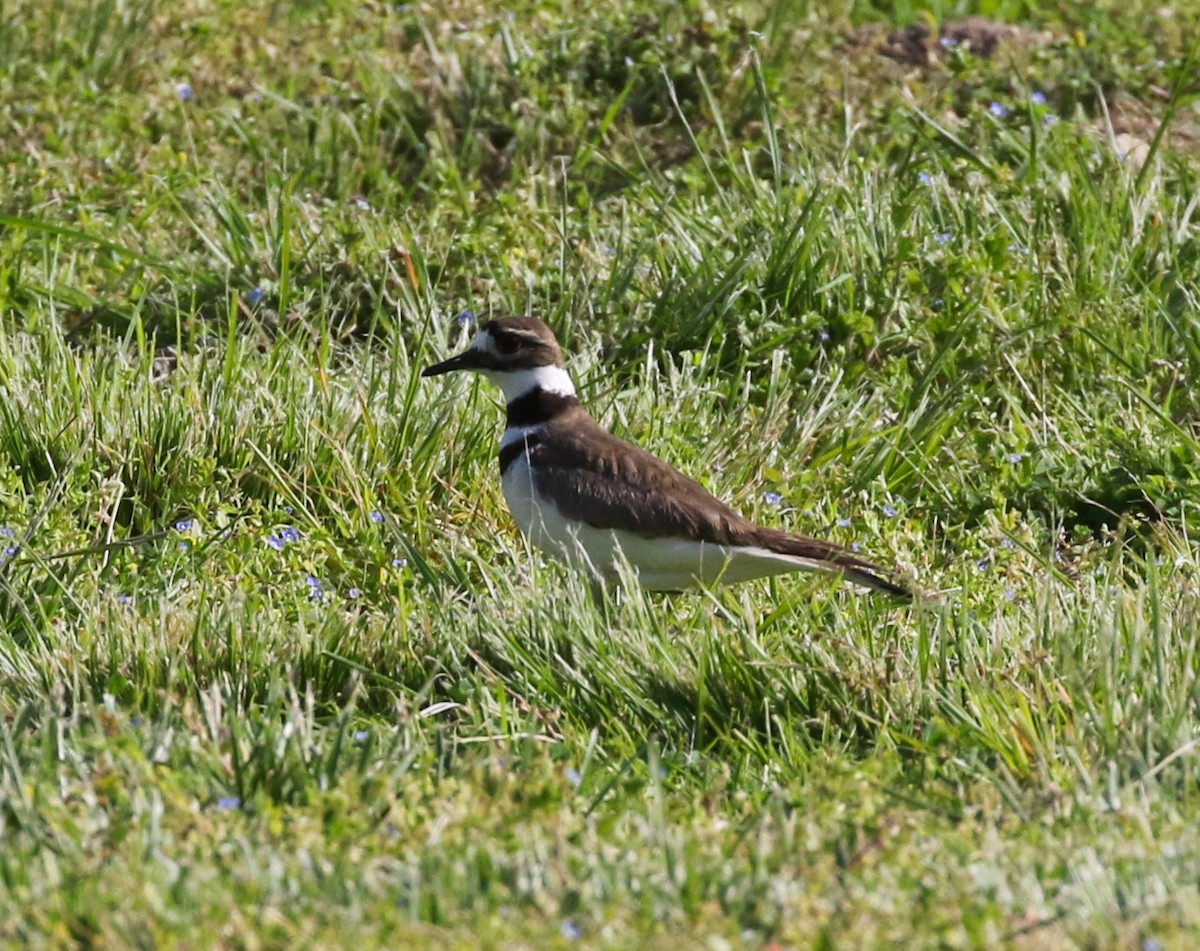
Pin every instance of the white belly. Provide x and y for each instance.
(662, 564)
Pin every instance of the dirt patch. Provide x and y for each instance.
(920, 44)
(1133, 120)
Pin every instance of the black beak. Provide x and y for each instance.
(467, 360)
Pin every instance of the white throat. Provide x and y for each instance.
(518, 383)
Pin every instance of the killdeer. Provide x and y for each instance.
(581, 494)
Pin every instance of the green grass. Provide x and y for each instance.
(277, 670)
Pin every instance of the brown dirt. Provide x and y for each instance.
(919, 44)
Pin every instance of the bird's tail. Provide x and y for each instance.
(826, 556)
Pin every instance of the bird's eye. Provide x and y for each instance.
(507, 343)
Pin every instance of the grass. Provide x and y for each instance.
(278, 672)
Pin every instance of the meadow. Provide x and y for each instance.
(276, 670)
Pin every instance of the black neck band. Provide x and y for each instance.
(538, 406)
(511, 452)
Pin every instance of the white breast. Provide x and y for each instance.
(662, 564)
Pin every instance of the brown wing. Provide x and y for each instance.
(601, 480)
(594, 477)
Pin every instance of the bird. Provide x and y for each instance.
(587, 497)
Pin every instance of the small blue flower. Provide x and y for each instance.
(1050, 120)
(229, 802)
(185, 524)
(823, 336)
(288, 510)
(361, 204)
(772, 498)
(376, 517)
(353, 594)
(855, 547)
(948, 43)
(938, 303)
(289, 534)
(844, 523)
(1007, 543)
(6, 532)
(316, 591)
(944, 237)
(890, 511)
(465, 318)
(983, 564)
(571, 931)
(255, 295)
(10, 550)
(998, 109)
(1037, 97)
(361, 736)
(184, 546)
(275, 542)
(399, 562)
(924, 178)
(1014, 457)
(185, 92)
(1010, 594)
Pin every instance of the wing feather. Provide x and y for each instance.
(594, 477)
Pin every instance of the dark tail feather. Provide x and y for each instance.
(858, 570)
(871, 578)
